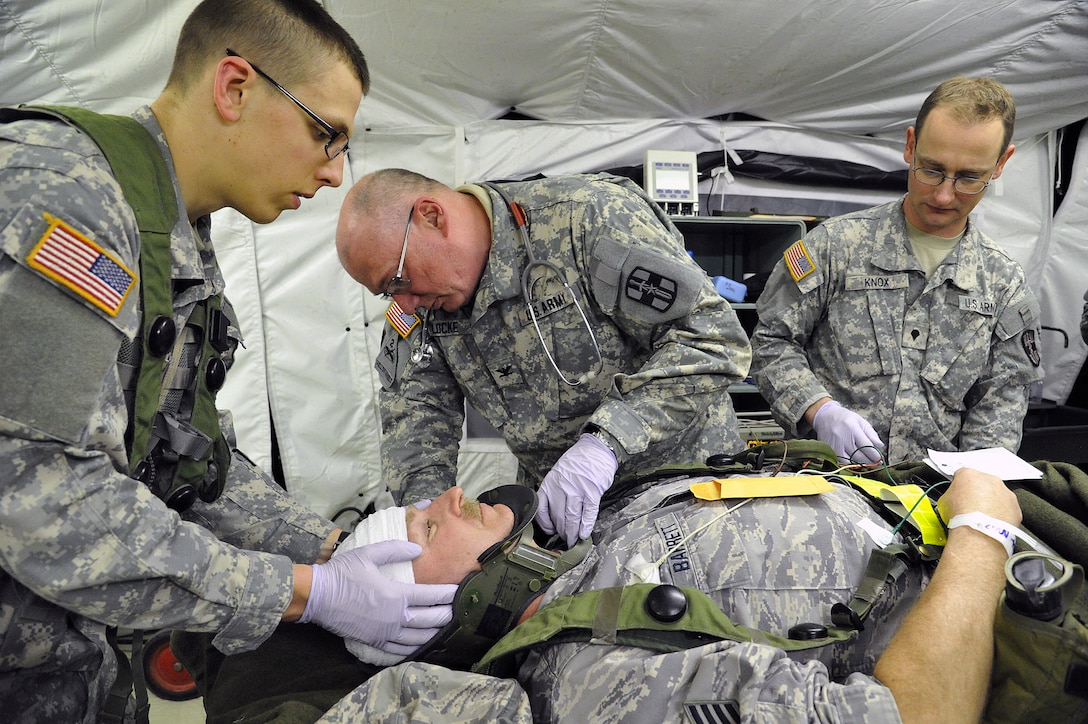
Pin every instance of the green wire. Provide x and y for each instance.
(925, 493)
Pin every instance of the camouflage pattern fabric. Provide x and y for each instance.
(1084, 319)
(770, 563)
(942, 363)
(670, 345)
(430, 694)
(81, 543)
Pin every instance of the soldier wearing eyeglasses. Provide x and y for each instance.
(86, 535)
(903, 327)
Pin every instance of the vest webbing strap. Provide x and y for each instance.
(885, 565)
(140, 170)
(619, 616)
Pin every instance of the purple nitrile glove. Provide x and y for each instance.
(570, 496)
(847, 432)
(350, 597)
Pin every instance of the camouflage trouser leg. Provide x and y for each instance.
(44, 698)
(55, 666)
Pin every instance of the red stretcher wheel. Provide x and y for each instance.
(165, 676)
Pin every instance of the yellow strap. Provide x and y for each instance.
(761, 487)
(900, 499)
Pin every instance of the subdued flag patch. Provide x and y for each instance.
(401, 320)
(798, 261)
(71, 259)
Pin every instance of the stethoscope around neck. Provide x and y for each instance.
(527, 295)
(422, 354)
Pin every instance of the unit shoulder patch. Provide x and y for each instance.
(798, 260)
(71, 259)
(1031, 347)
(651, 289)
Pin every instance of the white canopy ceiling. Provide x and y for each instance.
(852, 66)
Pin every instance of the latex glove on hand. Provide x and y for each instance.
(849, 434)
(350, 597)
(570, 496)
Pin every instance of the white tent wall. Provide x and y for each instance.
(601, 81)
(1063, 271)
(305, 367)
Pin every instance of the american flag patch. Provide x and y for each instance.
(798, 261)
(401, 320)
(70, 258)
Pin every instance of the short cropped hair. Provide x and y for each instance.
(972, 100)
(291, 40)
(380, 196)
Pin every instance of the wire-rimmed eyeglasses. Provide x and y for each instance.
(399, 282)
(960, 184)
(338, 140)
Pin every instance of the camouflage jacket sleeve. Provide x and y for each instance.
(998, 400)
(788, 311)
(420, 692)
(74, 528)
(422, 411)
(694, 347)
(257, 514)
(725, 681)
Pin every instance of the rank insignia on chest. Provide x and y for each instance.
(71, 259)
(401, 320)
(798, 261)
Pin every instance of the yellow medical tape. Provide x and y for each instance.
(903, 498)
(761, 487)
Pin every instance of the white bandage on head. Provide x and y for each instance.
(386, 524)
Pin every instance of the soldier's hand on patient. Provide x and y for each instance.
(349, 596)
(849, 434)
(570, 496)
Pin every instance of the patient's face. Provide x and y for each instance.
(453, 531)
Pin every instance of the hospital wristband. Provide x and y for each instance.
(1002, 532)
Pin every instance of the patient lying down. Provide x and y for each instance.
(767, 563)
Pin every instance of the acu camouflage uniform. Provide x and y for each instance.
(1084, 319)
(942, 363)
(81, 543)
(769, 564)
(670, 345)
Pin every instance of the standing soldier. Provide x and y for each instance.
(902, 327)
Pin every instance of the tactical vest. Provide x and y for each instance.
(174, 442)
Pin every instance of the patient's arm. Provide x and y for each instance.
(938, 663)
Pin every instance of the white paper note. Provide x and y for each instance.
(994, 460)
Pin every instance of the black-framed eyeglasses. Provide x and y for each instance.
(338, 140)
(960, 184)
(399, 283)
